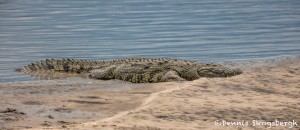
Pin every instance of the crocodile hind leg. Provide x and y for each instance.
(104, 74)
(171, 76)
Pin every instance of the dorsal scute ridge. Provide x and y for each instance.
(78, 65)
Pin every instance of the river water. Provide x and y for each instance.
(202, 30)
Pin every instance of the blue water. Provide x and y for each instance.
(203, 30)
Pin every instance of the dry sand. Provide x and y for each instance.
(267, 91)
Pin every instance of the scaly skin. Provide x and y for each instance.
(136, 70)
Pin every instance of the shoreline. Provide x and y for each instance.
(267, 90)
(63, 75)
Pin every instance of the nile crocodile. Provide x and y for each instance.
(136, 70)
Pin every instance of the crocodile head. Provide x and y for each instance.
(214, 70)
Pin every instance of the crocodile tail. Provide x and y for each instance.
(40, 65)
(64, 65)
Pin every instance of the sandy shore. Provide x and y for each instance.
(268, 91)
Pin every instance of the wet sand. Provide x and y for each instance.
(267, 91)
